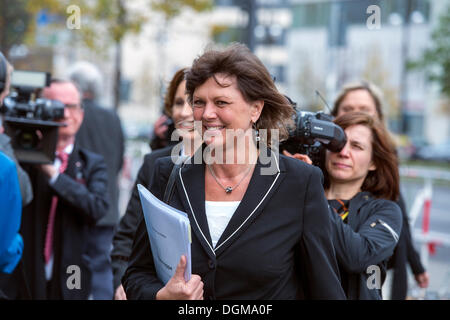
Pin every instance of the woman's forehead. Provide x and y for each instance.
(358, 132)
(219, 83)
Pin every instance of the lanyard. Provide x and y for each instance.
(344, 214)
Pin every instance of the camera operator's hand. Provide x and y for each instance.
(48, 169)
(178, 289)
(120, 294)
(302, 157)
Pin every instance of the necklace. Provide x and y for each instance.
(228, 189)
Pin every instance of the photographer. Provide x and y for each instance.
(71, 196)
(366, 97)
(361, 183)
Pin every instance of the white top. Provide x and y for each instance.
(219, 214)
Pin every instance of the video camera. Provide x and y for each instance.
(313, 133)
(30, 122)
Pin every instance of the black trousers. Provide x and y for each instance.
(14, 286)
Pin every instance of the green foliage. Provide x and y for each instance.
(172, 8)
(14, 21)
(103, 21)
(436, 59)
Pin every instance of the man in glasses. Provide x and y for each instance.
(70, 197)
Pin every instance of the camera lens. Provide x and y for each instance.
(27, 140)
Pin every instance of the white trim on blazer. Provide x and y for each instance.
(195, 219)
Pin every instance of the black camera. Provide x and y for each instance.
(313, 133)
(30, 122)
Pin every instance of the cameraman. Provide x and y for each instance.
(361, 184)
(71, 196)
(366, 97)
(15, 191)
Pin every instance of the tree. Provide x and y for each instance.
(436, 60)
(14, 21)
(105, 23)
(172, 8)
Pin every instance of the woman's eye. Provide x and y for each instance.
(198, 103)
(221, 103)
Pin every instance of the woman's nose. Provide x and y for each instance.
(345, 151)
(186, 112)
(209, 111)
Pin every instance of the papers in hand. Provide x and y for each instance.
(169, 232)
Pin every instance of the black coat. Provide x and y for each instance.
(101, 132)
(81, 190)
(123, 238)
(404, 254)
(277, 245)
(368, 239)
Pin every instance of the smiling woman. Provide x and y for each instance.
(251, 237)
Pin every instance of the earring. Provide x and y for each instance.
(256, 133)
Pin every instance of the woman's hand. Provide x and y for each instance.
(422, 279)
(302, 157)
(178, 289)
(120, 294)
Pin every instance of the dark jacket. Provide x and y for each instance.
(368, 239)
(123, 238)
(404, 254)
(81, 190)
(276, 246)
(26, 190)
(101, 132)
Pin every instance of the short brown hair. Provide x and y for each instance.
(253, 81)
(372, 89)
(384, 181)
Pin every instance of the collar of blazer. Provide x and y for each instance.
(191, 189)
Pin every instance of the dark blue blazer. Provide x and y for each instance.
(277, 245)
(81, 191)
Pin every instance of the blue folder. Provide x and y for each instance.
(169, 232)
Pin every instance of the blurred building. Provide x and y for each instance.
(311, 45)
(333, 42)
(307, 45)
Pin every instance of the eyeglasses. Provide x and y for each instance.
(72, 107)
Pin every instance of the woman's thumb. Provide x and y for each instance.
(179, 272)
